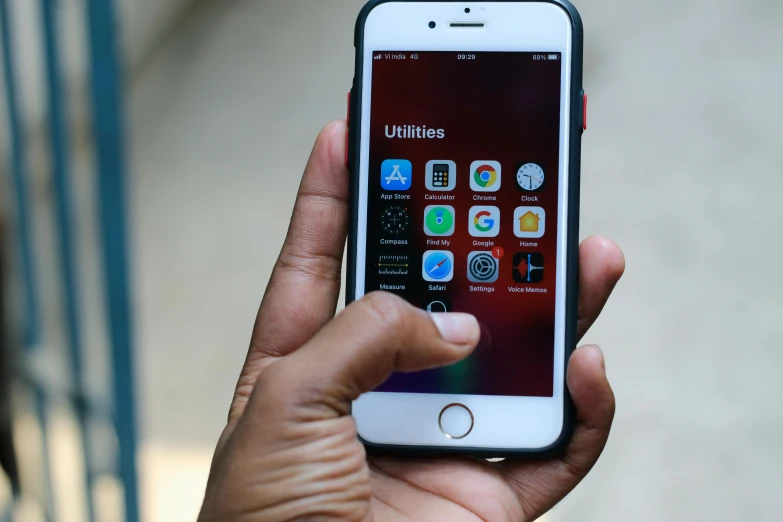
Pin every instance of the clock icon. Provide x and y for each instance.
(530, 177)
(394, 219)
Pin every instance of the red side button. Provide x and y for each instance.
(584, 112)
(347, 126)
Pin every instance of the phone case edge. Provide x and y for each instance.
(572, 273)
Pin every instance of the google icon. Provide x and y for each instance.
(485, 176)
(484, 221)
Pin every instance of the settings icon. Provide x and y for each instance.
(482, 267)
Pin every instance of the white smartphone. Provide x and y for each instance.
(465, 129)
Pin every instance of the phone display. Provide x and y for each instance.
(463, 207)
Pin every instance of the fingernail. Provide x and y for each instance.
(460, 329)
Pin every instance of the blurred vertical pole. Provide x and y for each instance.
(107, 109)
(40, 411)
(19, 174)
(58, 135)
(24, 233)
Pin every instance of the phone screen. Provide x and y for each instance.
(463, 206)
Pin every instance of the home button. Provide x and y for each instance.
(455, 421)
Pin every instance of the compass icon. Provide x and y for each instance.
(394, 219)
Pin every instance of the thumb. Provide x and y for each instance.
(358, 350)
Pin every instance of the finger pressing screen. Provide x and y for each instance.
(361, 347)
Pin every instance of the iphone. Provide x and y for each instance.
(464, 148)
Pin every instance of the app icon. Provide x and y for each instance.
(394, 219)
(438, 304)
(528, 267)
(440, 175)
(482, 267)
(438, 265)
(394, 266)
(484, 221)
(485, 176)
(396, 174)
(439, 220)
(530, 177)
(529, 222)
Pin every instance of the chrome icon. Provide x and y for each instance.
(485, 176)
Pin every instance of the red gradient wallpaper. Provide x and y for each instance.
(448, 132)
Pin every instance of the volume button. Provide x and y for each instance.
(584, 111)
(348, 130)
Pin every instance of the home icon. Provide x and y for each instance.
(529, 222)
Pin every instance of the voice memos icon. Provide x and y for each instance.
(528, 267)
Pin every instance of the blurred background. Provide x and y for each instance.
(151, 151)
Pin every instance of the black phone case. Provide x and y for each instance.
(576, 126)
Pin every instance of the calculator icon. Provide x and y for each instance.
(441, 175)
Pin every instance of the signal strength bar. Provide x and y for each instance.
(378, 56)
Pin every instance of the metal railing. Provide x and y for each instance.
(106, 95)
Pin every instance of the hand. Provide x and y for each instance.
(290, 449)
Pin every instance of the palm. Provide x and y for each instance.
(455, 489)
(465, 488)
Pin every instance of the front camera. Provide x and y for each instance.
(467, 10)
(432, 25)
